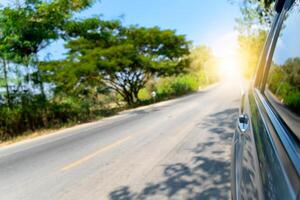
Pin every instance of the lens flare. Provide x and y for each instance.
(226, 52)
(229, 67)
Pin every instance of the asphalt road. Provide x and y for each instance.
(179, 149)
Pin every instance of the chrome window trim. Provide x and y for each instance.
(287, 140)
(278, 133)
(271, 49)
(264, 55)
(280, 127)
(283, 145)
(275, 119)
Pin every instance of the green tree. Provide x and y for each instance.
(292, 68)
(122, 58)
(31, 26)
(203, 64)
(284, 82)
(256, 15)
(253, 25)
(25, 29)
(250, 47)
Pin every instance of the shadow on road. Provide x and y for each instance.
(205, 176)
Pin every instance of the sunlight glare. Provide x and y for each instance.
(225, 49)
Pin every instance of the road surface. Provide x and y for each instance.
(179, 149)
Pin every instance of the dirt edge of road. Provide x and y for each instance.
(69, 128)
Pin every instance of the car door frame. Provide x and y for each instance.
(238, 144)
(276, 132)
(283, 139)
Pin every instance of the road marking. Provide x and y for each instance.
(91, 156)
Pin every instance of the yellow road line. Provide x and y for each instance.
(89, 157)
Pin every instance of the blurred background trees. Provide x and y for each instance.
(256, 15)
(26, 28)
(107, 67)
(284, 83)
(253, 26)
(203, 64)
(250, 47)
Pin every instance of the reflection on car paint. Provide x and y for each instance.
(274, 183)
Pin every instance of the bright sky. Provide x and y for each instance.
(209, 22)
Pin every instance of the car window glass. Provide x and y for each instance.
(283, 85)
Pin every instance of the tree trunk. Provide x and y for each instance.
(41, 84)
(5, 72)
(129, 99)
(40, 80)
(136, 95)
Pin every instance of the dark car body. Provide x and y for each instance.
(266, 147)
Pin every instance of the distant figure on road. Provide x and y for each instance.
(153, 94)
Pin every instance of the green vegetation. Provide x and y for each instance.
(284, 80)
(108, 66)
(169, 87)
(250, 47)
(256, 15)
(173, 86)
(202, 71)
(253, 27)
(284, 83)
(107, 54)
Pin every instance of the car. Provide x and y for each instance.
(266, 149)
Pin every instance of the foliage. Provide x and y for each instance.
(250, 47)
(107, 63)
(201, 71)
(203, 64)
(256, 15)
(253, 26)
(144, 94)
(122, 58)
(200, 56)
(293, 100)
(26, 28)
(285, 83)
(175, 86)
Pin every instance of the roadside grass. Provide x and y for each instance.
(31, 134)
(114, 109)
(46, 131)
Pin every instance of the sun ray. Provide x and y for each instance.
(226, 51)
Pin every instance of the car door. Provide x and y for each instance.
(245, 172)
(265, 154)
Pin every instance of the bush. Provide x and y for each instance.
(9, 121)
(144, 94)
(30, 112)
(34, 114)
(293, 100)
(176, 86)
(185, 84)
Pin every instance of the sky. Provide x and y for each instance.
(287, 47)
(204, 22)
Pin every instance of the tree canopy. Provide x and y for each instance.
(121, 58)
(106, 65)
(256, 15)
(253, 25)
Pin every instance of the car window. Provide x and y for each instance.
(283, 84)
